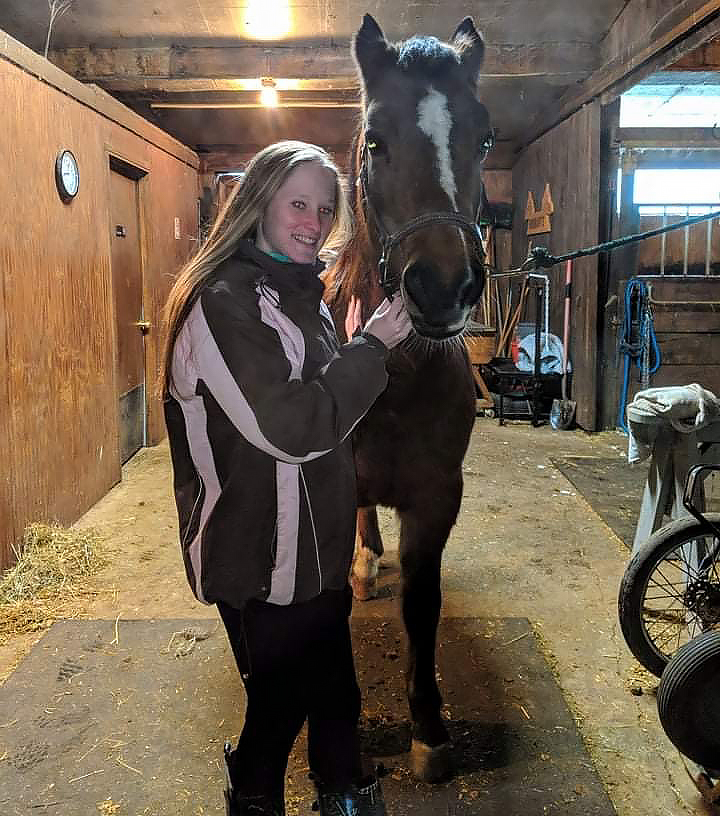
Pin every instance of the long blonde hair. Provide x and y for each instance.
(237, 220)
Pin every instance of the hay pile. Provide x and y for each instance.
(49, 580)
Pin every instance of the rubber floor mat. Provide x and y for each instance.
(129, 719)
(611, 487)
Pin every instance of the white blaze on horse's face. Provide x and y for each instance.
(435, 121)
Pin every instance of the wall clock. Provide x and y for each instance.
(67, 176)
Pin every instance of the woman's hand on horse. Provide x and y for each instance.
(353, 318)
(390, 322)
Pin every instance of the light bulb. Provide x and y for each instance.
(268, 94)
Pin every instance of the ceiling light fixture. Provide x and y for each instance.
(305, 103)
(268, 93)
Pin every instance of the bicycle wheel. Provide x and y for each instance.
(689, 700)
(671, 591)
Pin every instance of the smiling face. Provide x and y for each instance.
(300, 215)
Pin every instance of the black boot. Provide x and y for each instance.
(238, 805)
(363, 799)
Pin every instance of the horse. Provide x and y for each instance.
(416, 188)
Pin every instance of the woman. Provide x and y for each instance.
(260, 401)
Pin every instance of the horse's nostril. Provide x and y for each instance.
(471, 290)
(467, 291)
(415, 276)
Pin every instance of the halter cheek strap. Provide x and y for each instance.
(388, 240)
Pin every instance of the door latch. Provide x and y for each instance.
(143, 325)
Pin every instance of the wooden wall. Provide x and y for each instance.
(498, 188)
(650, 250)
(685, 308)
(687, 325)
(567, 157)
(58, 399)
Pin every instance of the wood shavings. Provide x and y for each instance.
(120, 761)
(107, 807)
(89, 751)
(116, 640)
(85, 776)
(515, 639)
(187, 638)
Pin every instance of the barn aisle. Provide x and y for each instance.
(124, 711)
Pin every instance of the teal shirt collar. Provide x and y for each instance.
(278, 256)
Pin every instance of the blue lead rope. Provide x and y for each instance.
(641, 348)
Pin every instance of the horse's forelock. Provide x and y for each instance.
(427, 53)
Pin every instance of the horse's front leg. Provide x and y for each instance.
(424, 532)
(368, 549)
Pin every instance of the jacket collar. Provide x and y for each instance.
(282, 275)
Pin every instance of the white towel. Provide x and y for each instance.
(686, 408)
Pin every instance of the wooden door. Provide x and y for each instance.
(127, 289)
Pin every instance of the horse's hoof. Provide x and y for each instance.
(364, 574)
(364, 589)
(431, 764)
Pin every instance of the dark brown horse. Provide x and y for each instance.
(416, 188)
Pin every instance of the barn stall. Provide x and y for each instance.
(156, 120)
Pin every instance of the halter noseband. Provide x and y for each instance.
(389, 240)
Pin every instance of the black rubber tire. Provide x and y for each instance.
(689, 700)
(633, 593)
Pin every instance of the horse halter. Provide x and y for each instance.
(390, 240)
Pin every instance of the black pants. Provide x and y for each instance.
(296, 663)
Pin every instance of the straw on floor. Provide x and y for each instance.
(50, 579)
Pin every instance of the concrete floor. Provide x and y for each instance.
(526, 545)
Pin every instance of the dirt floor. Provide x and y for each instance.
(526, 545)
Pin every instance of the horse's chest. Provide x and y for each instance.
(418, 428)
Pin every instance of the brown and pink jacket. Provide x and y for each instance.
(262, 405)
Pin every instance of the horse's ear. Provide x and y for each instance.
(372, 52)
(469, 42)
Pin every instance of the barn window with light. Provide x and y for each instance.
(675, 188)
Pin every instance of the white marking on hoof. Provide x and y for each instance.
(430, 764)
(364, 573)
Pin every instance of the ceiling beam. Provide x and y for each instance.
(675, 137)
(130, 69)
(651, 53)
(255, 104)
(705, 58)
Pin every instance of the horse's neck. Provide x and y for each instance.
(354, 274)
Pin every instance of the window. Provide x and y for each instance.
(671, 99)
(667, 195)
(677, 191)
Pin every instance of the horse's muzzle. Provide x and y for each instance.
(439, 308)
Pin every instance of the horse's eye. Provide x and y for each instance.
(374, 143)
(486, 145)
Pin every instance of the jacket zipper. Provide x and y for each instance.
(312, 522)
(192, 513)
(273, 547)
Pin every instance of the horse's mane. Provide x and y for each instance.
(349, 273)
